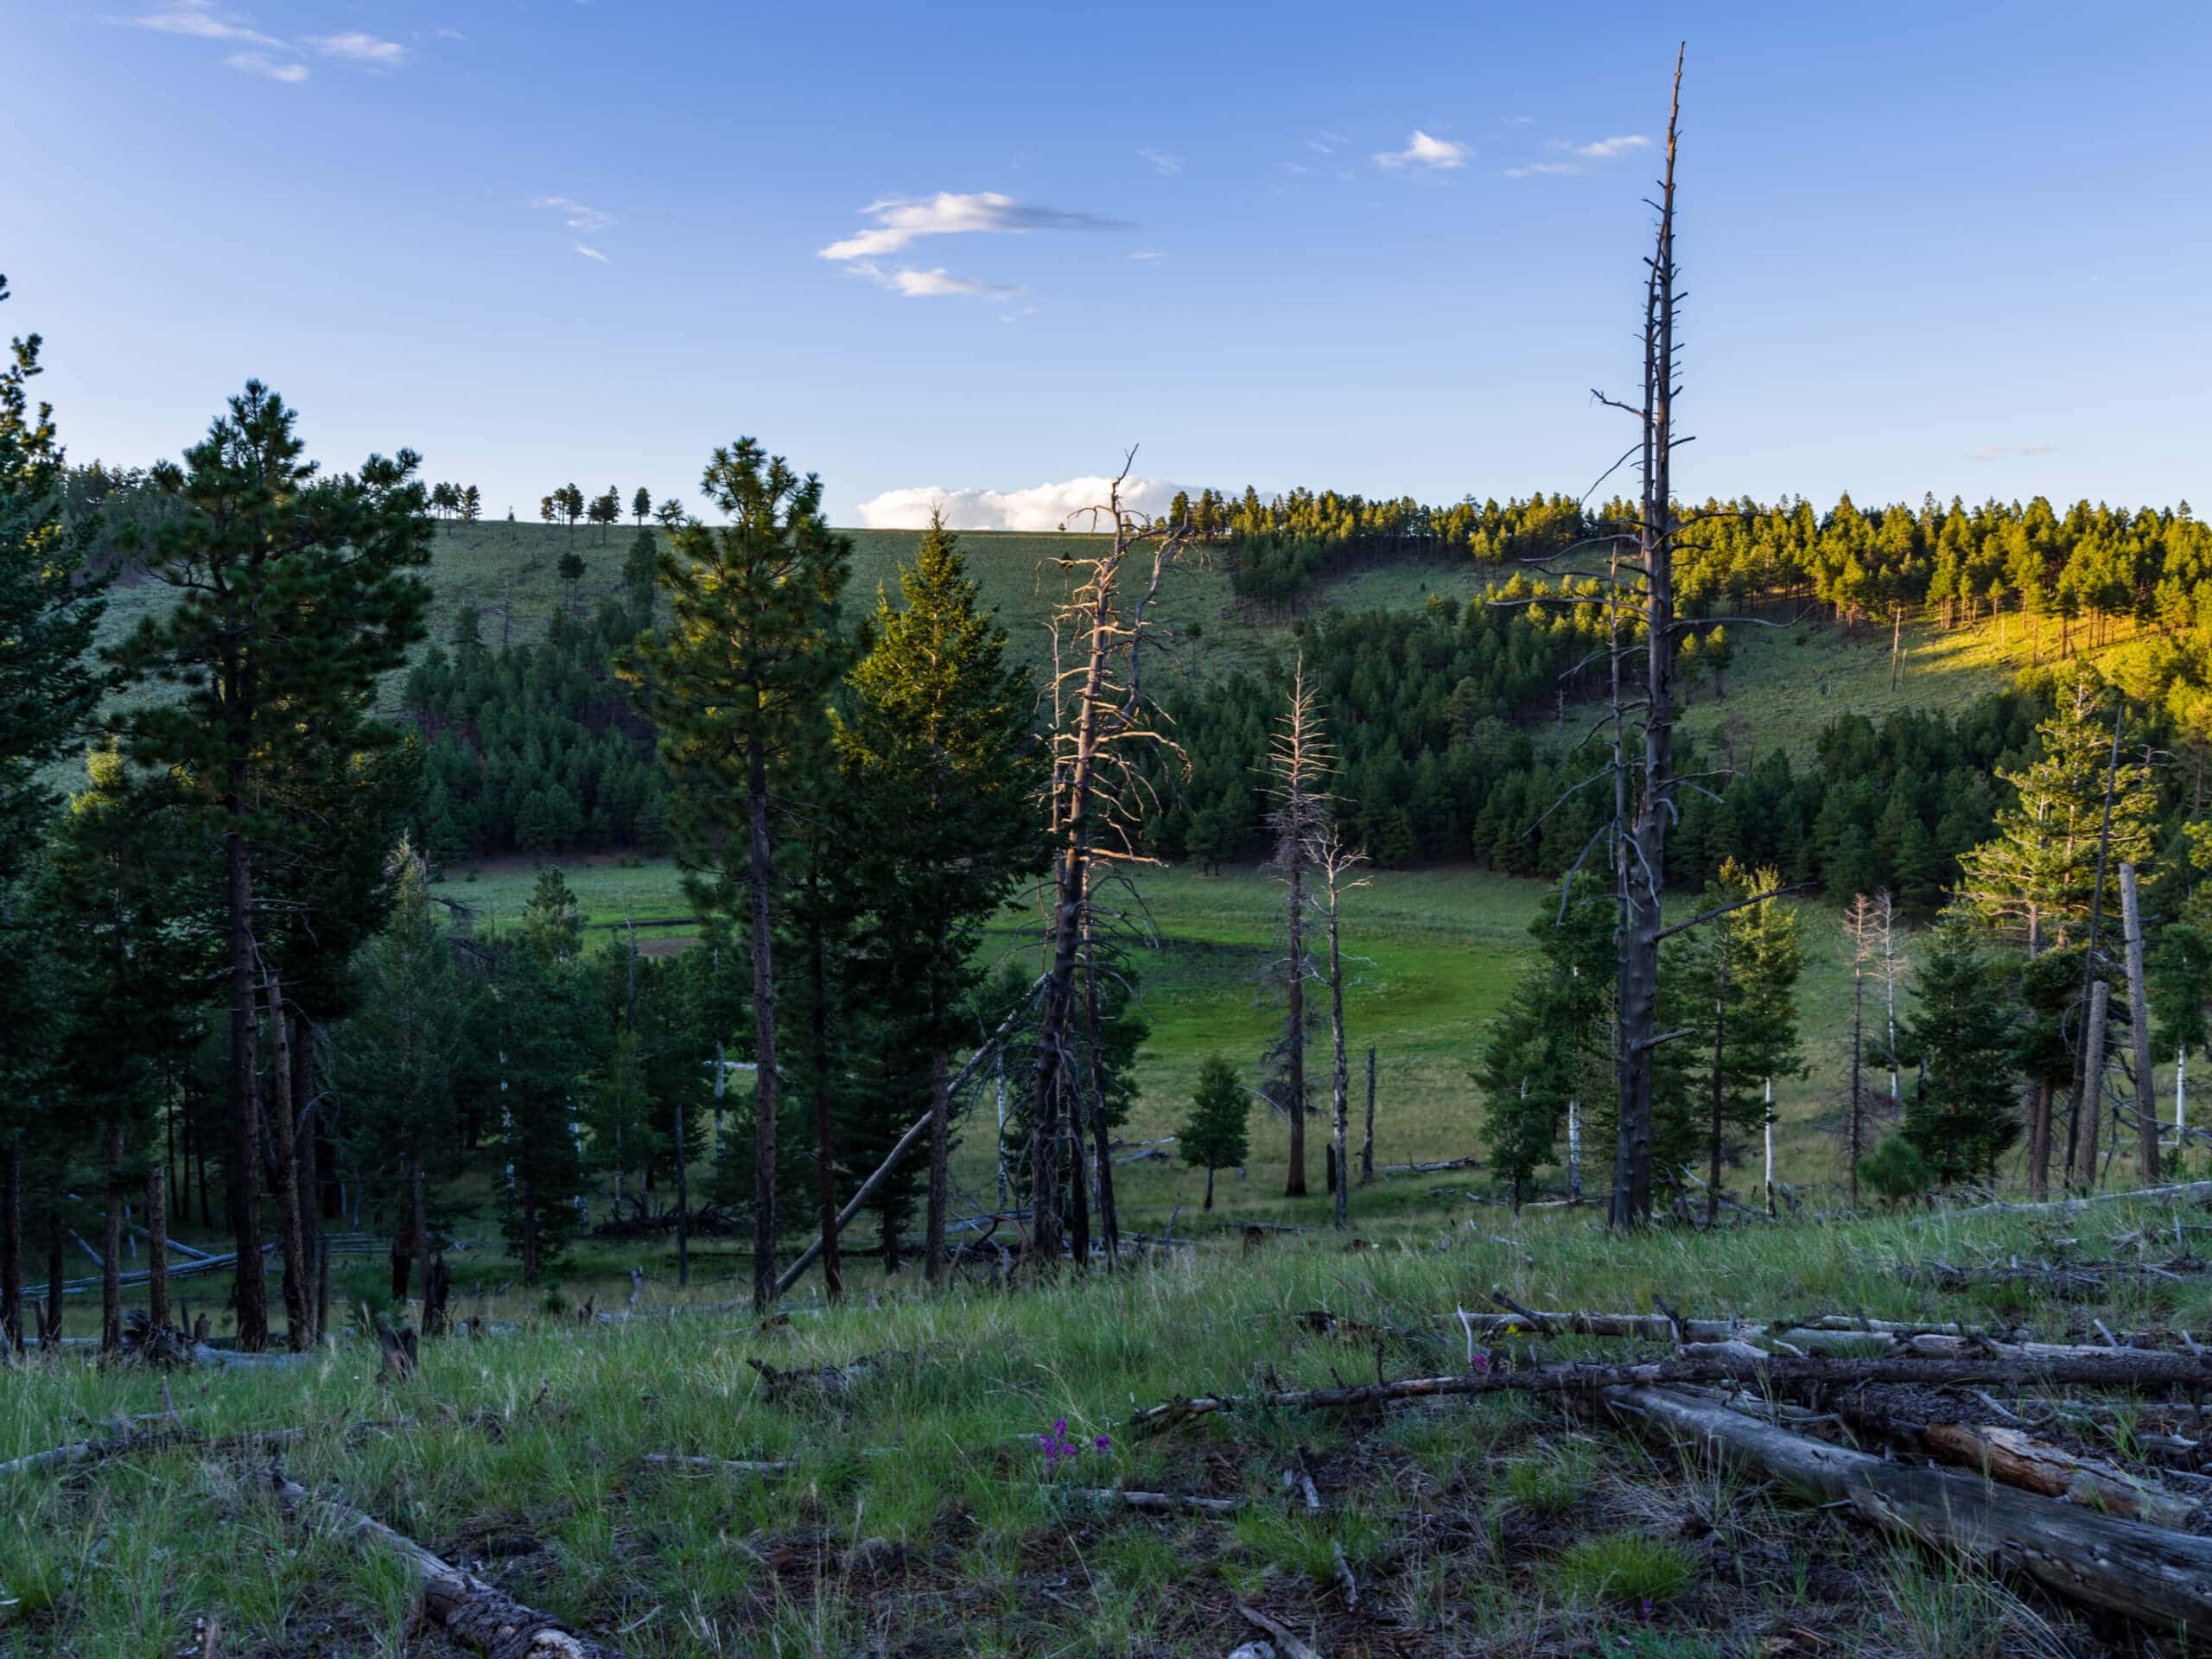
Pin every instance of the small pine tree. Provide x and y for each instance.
(1965, 1112)
(641, 503)
(1214, 1135)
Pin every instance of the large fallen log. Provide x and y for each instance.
(2017, 1458)
(469, 1609)
(1834, 1334)
(2187, 1192)
(2121, 1368)
(164, 1435)
(2147, 1573)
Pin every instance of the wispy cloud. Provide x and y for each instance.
(577, 216)
(2004, 451)
(1327, 144)
(195, 18)
(1159, 160)
(1598, 149)
(900, 220)
(1016, 317)
(1515, 120)
(592, 253)
(1424, 151)
(268, 68)
(355, 46)
(1604, 150)
(1148, 256)
(937, 284)
(448, 35)
(1041, 507)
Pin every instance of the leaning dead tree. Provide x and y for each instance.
(1097, 796)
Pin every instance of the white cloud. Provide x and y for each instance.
(899, 221)
(1148, 256)
(1041, 507)
(592, 253)
(2001, 451)
(1159, 160)
(268, 68)
(356, 47)
(193, 18)
(1538, 169)
(448, 35)
(1515, 120)
(1016, 317)
(1604, 150)
(936, 284)
(1424, 151)
(579, 217)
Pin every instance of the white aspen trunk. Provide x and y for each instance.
(1002, 1186)
(1574, 1149)
(721, 1076)
(1769, 1146)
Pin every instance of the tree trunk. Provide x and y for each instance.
(2145, 1573)
(2139, 1015)
(1208, 1205)
(1851, 1148)
(825, 1144)
(1341, 1082)
(1367, 1145)
(299, 1303)
(1719, 1091)
(933, 1263)
(307, 1115)
(155, 1246)
(2093, 1072)
(531, 1265)
(11, 1248)
(419, 1222)
(1109, 1225)
(112, 1239)
(251, 1292)
(763, 1035)
(403, 1253)
(55, 1284)
(1294, 1031)
(2039, 1139)
(683, 1201)
(1768, 1125)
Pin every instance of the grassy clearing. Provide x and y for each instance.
(921, 1519)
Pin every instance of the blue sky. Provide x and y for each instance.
(986, 248)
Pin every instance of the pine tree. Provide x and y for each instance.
(1213, 1136)
(1298, 759)
(1551, 1047)
(736, 684)
(2037, 876)
(942, 773)
(1965, 1112)
(48, 688)
(1739, 979)
(298, 593)
(605, 511)
(530, 1065)
(641, 505)
(401, 1051)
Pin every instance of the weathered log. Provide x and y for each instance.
(1160, 1503)
(2017, 1458)
(723, 1465)
(2118, 1368)
(2147, 1573)
(481, 1615)
(1831, 1335)
(165, 1435)
(2184, 1192)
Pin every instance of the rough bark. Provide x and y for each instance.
(825, 1134)
(1110, 1224)
(2144, 1572)
(479, 1614)
(2138, 1016)
(1294, 1033)
(251, 1294)
(2017, 1458)
(111, 1241)
(761, 872)
(306, 1115)
(2039, 1139)
(940, 1188)
(11, 1248)
(299, 1302)
(2090, 1118)
(1340, 1080)
(1367, 1145)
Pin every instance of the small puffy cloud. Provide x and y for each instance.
(937, 284)
(1159, 160)
(1424, 151)
(195, 18)
(268, 68)
(591, 253)
(2004, 451)
(899, 221)
(1598, 149)
(576, 215)
(355, 46)
(1041, 507)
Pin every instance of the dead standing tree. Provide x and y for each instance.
(1335, 862)
(1095, 795)
(1299, 759)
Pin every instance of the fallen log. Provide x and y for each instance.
(467, 1608)
(167, 1435)
(2145, 1573)
(723, 1465)
(2186, 1192)
(2099, 1367)
(2017, 1458)
(1160, 1503)
(1834, 1334)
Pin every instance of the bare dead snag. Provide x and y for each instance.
(470, 1611)
(2145, 1573)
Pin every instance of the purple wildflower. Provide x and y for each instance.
(1102, 1445)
